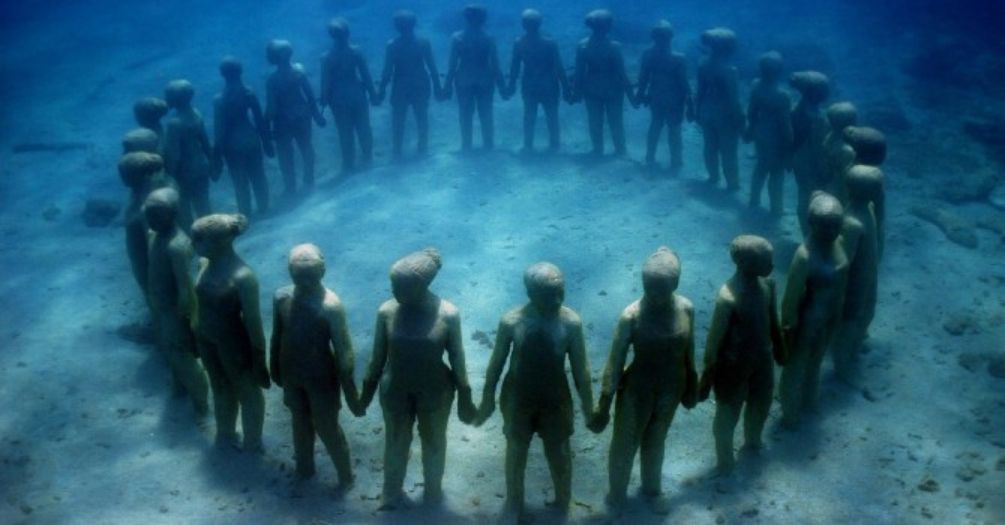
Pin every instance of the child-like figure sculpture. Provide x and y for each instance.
(473, 69)
(838, 155)
(187, 153)
(659, 327)
(239, 141)
(769, 126)
(809, 129)
(870, 150)
(812, 306)
(601, 82)
(345, 86)
(717, 106)
(229, 330)
(409, 68)
(743, 337)
(537, 338)
(312, 360)
(171, 295)
(289, 107)
(860, 241)
(664, 88)
(141, 173)
(140, 139)
(542, 82)
(148, 112)
(414, 330)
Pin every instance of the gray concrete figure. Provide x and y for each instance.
(229, 332)
(171, 296)
(413, 331)
(141, 139)
(345, 87)
(473, 70)
(809, 130)
(187, 153)
(659, 329)
(148, 112)
(663, 86)
(536, 339)
(141, 172)
(411, 71)
(717, 106)
(601, 82)
(289, 108)
(769, 126)
(812, 307)
(743, 337)
(537, 63)
(860, 240)
(312, 360)
(838, 154)
(869, 145)
(240, 141)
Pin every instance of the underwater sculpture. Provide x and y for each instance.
(409, 68)
(148, 112)
(659, 328)
(187, 153)
(141, 139)
(289, 108)
(171, 296)
(663, 86)
(345, 86)
(542, 79)
(869, 145)
(240, 142)
(601, 82)
(838, 155)
(717, 106)
(812, 306)
(809, 129)
(743, 337)
(229, 331)
(769, 126)
(859, 238)
(312, 360)
(473, 69)
(141, 173)
(536, 338)
(413, 331)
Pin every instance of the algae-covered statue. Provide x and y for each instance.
(141, 173)
(473, 69)
(171, 295)
(312, 360)
(859, 238)
(869, 145)
(809, 129)
(538, 64)
(345, 86)
(239, 141)
(141, 139)
(413, 331)
(148, 112)
(812, 306)
(601, 82)
(289, 108)
(663, 86)
(187, 152)
(717, 106)
(769, 126)
(743, 337)
(659, 328)
(229, 330)
(838, 155)
(409, 68)
(537, 338)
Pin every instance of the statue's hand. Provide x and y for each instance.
(598, 421)
(261, 375)
(485, 411)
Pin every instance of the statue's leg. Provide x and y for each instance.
(346, 140)
(625, 438)
(759, 176)
(397, 441)
(466, 113)
(656, 121)
(364, 133)
(256, 175)
(711, 152)
(761, 386)
(397, 128)
(324, 410)
(676, 144)
(559, 455)
(485, 118)
(284, 153)
(239, 176)
(654, 437)
(529, 121)
(595, 117)
(306, 147)
(179, 344)
(811, 387)
(551, 119)
(296, 399)
(224, 398)
(252, 412)
(791, 388)
(136, 248)
(433, 434)
(516, 467)
(422, 124)
(616, 119)
(776, 186)
(730, 145)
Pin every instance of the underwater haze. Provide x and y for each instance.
(92, 433)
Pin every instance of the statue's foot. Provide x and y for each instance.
(514, 512)
(558, 505)
(658, 504)
(227, 441)
(394, 501)
(432, 497)
(724, 469)
(253, 447)
(615, 504)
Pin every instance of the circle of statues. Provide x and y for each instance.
(209, 329)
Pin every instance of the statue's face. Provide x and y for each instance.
(659, 289)
(547, 299)
(763, 265)
(408, 291)
(159, 218)
(307, 274)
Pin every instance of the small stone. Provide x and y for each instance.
(929, 485)
(996, 367)
(960, 323)
(970, 361)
